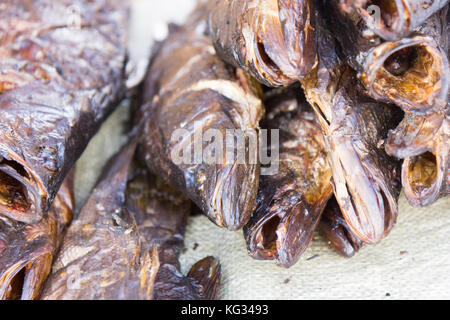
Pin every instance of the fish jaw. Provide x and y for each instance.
(362, 192)
(422, 88)
(336, 231)
(205, 274)
(24, 280)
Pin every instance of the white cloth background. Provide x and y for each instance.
(413, 262)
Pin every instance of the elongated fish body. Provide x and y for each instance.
(27, 251)
(290, 202)
(366, 180)
(189, 93)
(126, 240)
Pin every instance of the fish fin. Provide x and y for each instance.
(206, 275)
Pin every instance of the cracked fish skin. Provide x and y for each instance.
(273, 40)
(411, 72)
(58, 83)
(335, 230)
(290, 203)
(366, 180)
(398, 18)
(30, 248)
(188, 85)
(126, 240)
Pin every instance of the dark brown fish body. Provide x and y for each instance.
(397, 18)
(411, 72)
(127, 235)
(290, 202)
(273, 40)
(27, 250)
(62, 74)
(161, 214)
(366, 180)
(335, 229)
(190, 90)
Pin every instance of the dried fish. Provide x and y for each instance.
(335, 229)
(126, 240)
(411, 72)
(424, 144)
(366, 179)
(62, 74)
(290, 202)
(27, 250)
(189, 90)
(273, 40)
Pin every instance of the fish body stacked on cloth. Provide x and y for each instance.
(366, 180)
(273, 40)
(62, 73)
(290, 202)
(27, 250)
(126, 241)
(191, 90)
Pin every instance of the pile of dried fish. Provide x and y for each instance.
(370, 116)
(356, 91)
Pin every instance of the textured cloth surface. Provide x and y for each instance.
(413, 262)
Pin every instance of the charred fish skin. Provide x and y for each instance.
(366, 180)
(189, 88)
(27, 250)
(335, 230)
(124, 238)
(411, 72)
(397, 18)
(272, 40)
(61, 77)
(290, 202)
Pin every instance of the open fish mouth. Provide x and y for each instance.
(412, 73)
(366, 201)
(283, 234)
(424, 175)
(19, 193)
(23, 280)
